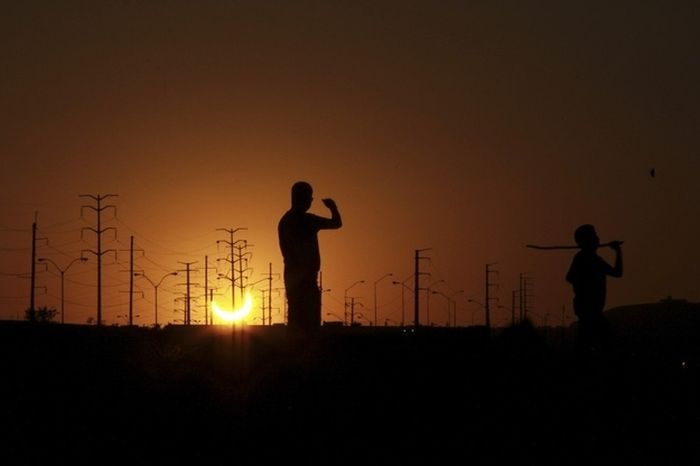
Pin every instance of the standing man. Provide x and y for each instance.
(588, 276)
(298, 239)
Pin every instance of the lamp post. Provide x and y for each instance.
(63, 273)
(155, 288)
(375, 294)
(476, 302)
(454, 303)
(427, 303)
(403, 286)
(345, 300)
(448, 305)
(352, 311)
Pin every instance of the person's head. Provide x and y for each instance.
(302, 195)
(586, 237)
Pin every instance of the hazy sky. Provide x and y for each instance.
(469, 127)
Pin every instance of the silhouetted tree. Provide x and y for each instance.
(42, 314)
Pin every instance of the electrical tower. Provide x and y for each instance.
(487, 292)
(525, 292)
(233, 245)
(416, 283)
(98, 208)
(208, 318)
(268, 276)
(32, 293)
(132, 274)
(187, 312)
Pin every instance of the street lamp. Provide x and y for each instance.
(448, 305)
(62, 272)
(475, 302)
(375, 294)
(427, 304)
(352, 311)
(454, 303)
(155, 288)
(345, 300)
(403, 286)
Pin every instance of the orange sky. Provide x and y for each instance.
(466, 128)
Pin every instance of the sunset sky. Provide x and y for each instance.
(472, 128)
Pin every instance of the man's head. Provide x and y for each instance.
(302, 195)
(586, 237)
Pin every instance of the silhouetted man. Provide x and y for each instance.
(588, 276)
(298, 239)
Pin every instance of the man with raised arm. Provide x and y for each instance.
(298, 240)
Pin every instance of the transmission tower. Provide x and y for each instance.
(208, 319)
(232, 260)
(487, 291)
(98, 208)
(416, 283)
(32, 294)
(187, 314)
(524, 292)
(132, 274)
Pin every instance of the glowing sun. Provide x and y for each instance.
(233, 315)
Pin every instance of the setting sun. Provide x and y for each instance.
(233, 315)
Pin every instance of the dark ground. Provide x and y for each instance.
(79, 394)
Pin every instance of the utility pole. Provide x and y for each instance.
(488, 298)
(416, 285)
(131, 280)
(524, 280)
(231, 243)
(132, 274)
(98, 208)
(239, 259)
(187, 270)
(32, 296)
(208, 318)
(375, 294)
(352, 311)
(268, 277)
(32, 291)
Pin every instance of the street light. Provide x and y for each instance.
(454, 303)
(448, 305)
(63, 272)
(427, 304)
(475, 302)
(403, 286)
(345, 300)
(375, 294)
(352, 311)
(155, 288)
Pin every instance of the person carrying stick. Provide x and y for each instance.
(588, 276)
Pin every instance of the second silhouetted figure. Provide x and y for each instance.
(298, 240)
(587, 275)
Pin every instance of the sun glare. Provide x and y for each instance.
(232, 316)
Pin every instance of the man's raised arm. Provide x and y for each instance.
(335, 221)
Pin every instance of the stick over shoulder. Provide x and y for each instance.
(535, 246)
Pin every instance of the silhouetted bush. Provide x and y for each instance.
(42, 314)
